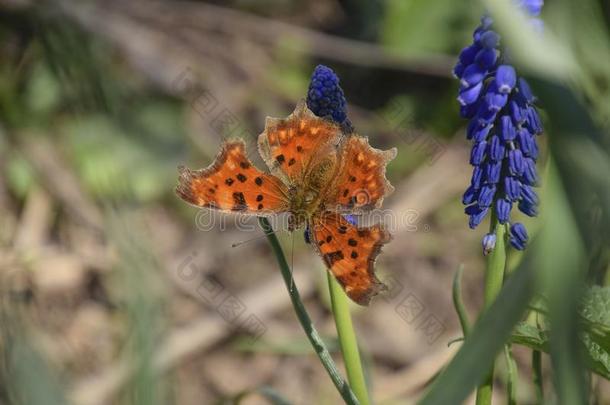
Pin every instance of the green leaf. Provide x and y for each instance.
(458, 303)
(598, 359)
(472, 362)
(596, 313)
(596, 306)
(595, 336)
(530, 336)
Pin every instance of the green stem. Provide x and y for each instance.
(458, 303)
(511, 386)
(494, 276)
(537, 370)
(312, 334)
(347, 340)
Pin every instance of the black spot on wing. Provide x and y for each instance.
(331, 257)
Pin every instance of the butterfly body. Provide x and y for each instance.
(318, 173)
(310, 198)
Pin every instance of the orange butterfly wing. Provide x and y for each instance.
(294, 146)
(361, 184)
(232, 183)
(349, 252)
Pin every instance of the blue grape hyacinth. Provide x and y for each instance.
(503, 127)
(325, 96)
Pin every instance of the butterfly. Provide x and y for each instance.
(317, 174)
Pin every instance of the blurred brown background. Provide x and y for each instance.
(114, 291)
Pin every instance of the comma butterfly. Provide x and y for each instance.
(318, 174)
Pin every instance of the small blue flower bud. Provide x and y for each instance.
(526, 141)
(486, 115)
(476, 35)
(526, 91)
(533, 120)
(489, 39)
(512, 188)
(468, 54)
(478, 153)
(468, 111)
(486, 195)
(529, 195)
(477, 177)
(469, 95)
(518, 236)
(530, 176)
(517, 111)
(516, 164)
(506, 78)
(496, 149)
(534, 151)
(492, 172)
(496, 101)
(528, 209)
(486, 22)
(486, 58)
(477, 214)
(477, 131)
(473, 74)
(469, 196)
(489, 243)
(503, 208)
(507, 129)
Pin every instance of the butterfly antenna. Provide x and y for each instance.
(243, 242)
(292, 262)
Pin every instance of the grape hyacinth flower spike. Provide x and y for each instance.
(503, 127)
(325, 97)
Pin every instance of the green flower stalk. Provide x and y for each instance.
(494, 277)
(347, 340)
(312, 334)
